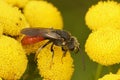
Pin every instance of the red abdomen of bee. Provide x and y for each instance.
(31, 40)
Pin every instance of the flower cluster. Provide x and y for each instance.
(13, 61)
(16, 15)
(102, 45)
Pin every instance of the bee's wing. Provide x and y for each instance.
(43, 32)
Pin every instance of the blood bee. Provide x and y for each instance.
(55, 36)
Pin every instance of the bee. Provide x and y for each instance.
(57, 37)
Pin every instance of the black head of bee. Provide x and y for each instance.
(73, 44)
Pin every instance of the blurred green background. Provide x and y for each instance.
(73, 12)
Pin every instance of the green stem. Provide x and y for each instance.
(98, 71)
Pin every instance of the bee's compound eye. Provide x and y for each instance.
(71, 46)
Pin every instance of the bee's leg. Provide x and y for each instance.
(83, 58)
(39, 49)
(52, 50)
(64, 53)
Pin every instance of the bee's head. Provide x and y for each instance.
(73, 44)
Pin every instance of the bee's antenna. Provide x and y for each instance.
(83, 58)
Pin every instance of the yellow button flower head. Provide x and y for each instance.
(11, 19)
(56, 68)
(110, 77)
(103, 14)
(103, 45)
(43, 14)
(13, 61)
(18, 3)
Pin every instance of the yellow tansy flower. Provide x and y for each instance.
(13, 61)
(18, 3)
(11, 19)
(43, 14)
(103, 14)
(103, 45)
(110, 77)
(56, 68)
